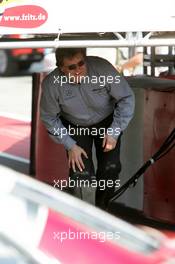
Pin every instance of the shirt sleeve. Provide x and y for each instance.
(50, 112)
(124, 100)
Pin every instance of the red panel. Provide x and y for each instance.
(51, 160)
(159, 180)
(76, 249)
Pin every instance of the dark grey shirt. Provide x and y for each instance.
(100, 93)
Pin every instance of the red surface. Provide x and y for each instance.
(15, 137)
(159, 180)
(51, 161)
(79, 251)
(89, 250)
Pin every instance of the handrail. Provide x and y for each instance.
(88, 43)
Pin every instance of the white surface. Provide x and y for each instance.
(16, 97)
(99, 16)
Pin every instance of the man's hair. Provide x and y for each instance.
(62, 53)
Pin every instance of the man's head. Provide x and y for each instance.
(71, 61)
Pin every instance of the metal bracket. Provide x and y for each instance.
(57, 40)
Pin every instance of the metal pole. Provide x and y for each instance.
(87, 43)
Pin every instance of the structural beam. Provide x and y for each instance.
(87, 43)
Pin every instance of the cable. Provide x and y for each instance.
(164, 149)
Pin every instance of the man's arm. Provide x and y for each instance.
(49, 113)
(123, 95)
(123, 113)
(125, 104)
(131, 63)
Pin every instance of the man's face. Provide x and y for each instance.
(75, 67)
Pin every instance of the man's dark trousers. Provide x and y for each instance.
(108, 163)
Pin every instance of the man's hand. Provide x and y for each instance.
(109, 143)
(75, 158)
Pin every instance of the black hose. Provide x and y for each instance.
(166, 147)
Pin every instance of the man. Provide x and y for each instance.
(85, 101)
